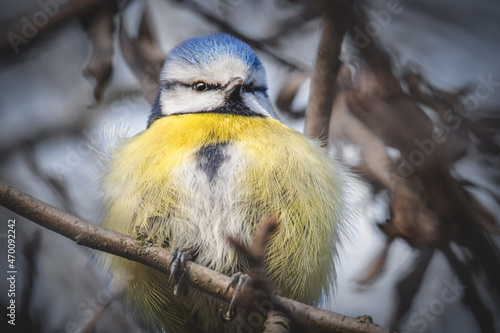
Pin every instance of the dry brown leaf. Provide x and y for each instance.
(376, 164)
(143, 55)
(396, 119)
(100, 29)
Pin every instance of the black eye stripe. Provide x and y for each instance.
(256, 89)
(261, 89)
(167, 85)
(249, 88)
(171, 84)
(213, 86)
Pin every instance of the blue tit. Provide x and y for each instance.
(212, 162)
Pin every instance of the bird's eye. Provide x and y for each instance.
(200, 86)
(250, 88)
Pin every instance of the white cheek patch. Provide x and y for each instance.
(184, 99)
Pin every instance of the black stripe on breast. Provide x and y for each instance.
(211, 157)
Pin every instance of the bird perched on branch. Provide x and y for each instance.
(211, 163)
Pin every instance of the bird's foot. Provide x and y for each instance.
(177, 262)
(254, 288)
(237, 281)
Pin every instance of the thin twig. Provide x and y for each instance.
(200, 277)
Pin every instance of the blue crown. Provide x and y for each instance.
(203, 50)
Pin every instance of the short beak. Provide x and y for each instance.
(233, 88)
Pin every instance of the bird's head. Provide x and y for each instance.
(214, 73)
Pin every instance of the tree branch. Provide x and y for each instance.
(323, 80)
(200, 277)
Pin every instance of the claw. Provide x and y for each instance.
(177, 285)
(184, 258)
(230, 315)
(177, 261)
(234, 278)
(173, 255)
(174, 265)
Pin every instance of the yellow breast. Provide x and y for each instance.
(278, 171)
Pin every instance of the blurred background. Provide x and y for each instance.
(415, 113)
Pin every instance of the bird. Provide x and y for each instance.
(212, 161)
